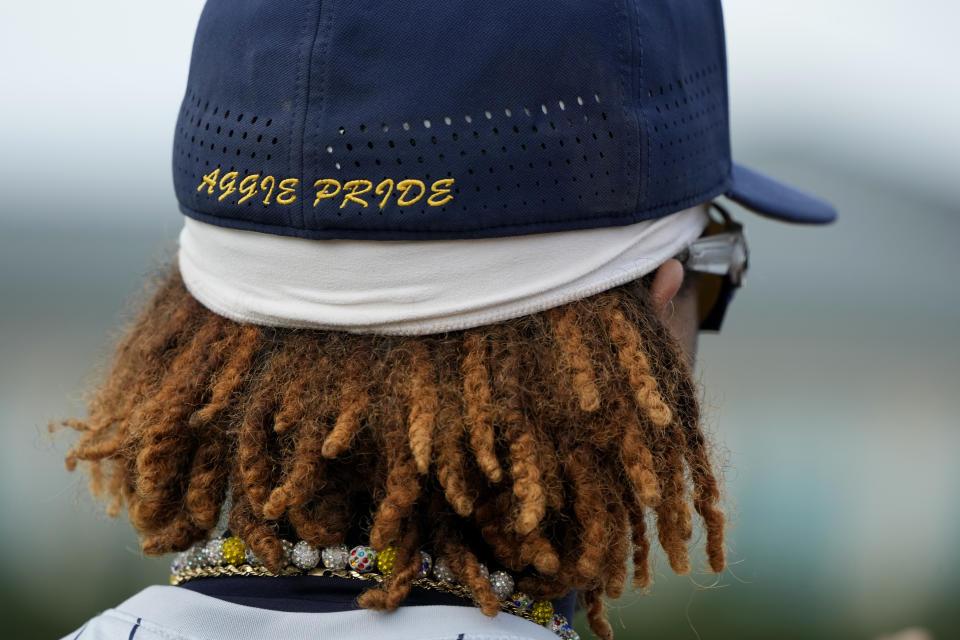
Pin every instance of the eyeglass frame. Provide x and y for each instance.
(721, 253)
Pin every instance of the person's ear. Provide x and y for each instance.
(666, 283)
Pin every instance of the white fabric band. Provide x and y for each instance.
(417, 287)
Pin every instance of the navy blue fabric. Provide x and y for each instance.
(320, 594)
(775, 199)
(547, 116)
(133, 631)
(241, 106)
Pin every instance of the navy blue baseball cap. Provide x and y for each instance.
(420, 120)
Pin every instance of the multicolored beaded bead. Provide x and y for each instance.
(557, 623)
(363, 559)
(521, 600)
(426, 564)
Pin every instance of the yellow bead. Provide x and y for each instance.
(542, 611)
(234, 551)
(386, 559)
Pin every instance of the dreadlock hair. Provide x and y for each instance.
(548, 444)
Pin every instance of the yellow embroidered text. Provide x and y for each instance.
(408, 192)
(283, 191)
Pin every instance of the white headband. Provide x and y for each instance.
(417, 287)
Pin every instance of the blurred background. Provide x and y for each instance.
(833, 388)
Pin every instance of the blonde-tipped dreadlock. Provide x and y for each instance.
(539, 444)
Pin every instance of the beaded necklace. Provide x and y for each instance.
(230, 556)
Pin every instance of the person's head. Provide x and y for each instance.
(553, 445)
(425, 296)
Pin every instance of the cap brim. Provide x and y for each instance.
(776, 200)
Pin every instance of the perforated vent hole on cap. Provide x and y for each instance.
(688, 113)
(565, 144)
(210, 135)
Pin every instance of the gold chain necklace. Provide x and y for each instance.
(229, 556)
